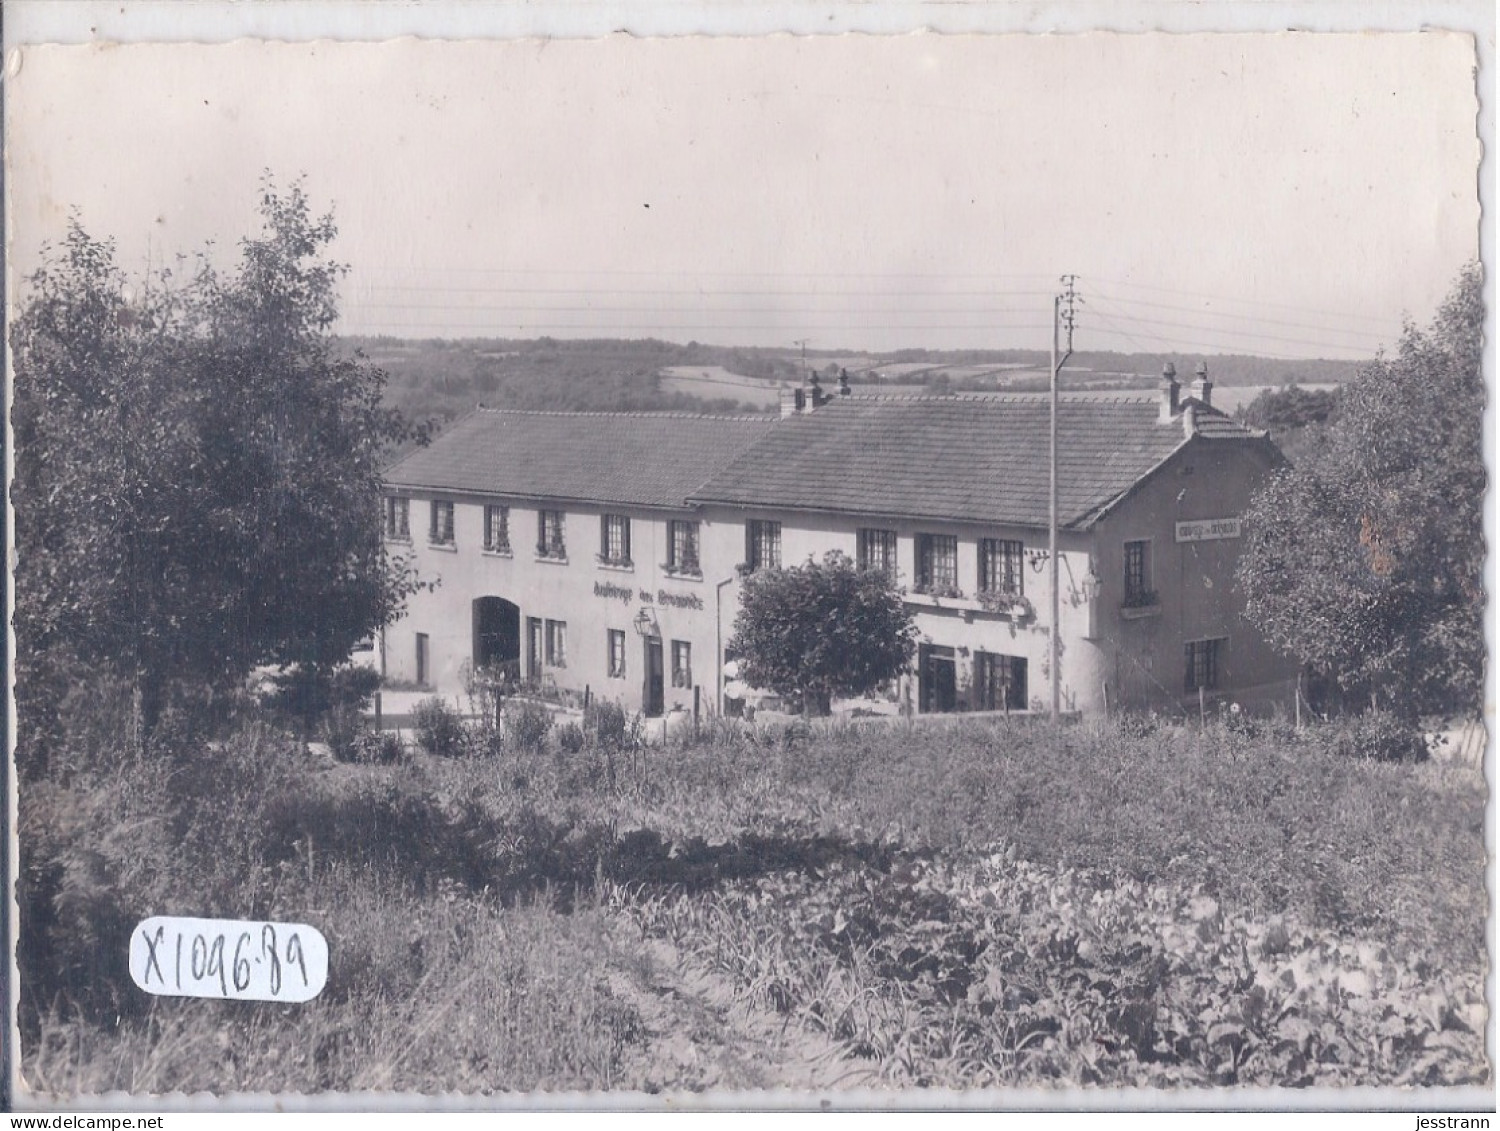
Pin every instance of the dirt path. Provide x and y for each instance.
(699, 1037)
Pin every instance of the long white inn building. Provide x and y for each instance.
(605, 551)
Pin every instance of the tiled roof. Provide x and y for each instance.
(645, 459)
(977, 458)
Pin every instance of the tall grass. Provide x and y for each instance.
(471, 904)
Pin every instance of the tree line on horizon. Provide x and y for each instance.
(444, 378)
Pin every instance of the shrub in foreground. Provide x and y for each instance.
(374, 748)
(610, 726)
(527, 723)
(439, 730)
(1377, 735)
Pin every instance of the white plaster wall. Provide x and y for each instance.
(563, 591)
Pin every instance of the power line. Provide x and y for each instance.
(1201, 342)
(549, 308)
(1241, 301)
(1221, 332)
(694, 291)
(1322, 327)
(693, 273)
(790, 323)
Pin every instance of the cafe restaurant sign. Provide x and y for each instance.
(1208, 529)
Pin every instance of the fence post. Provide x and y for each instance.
(1202, 710)
(378, 727)
(697, 707)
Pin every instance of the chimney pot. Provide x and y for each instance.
(1203, 388)
(844, 389)
(1169, 391)
(791, 401)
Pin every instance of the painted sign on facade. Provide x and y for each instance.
(1208, 529)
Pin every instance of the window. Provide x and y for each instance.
(1000, 569)
(549, 535)
(534, 648)
(616, 653)
(497, 529)
(398, 519)
(1202, 664)
(763, 544)
(937, 564)
(1138, 591)
(682, 664)
(999, 682)
(614, 539)
(682, 548)
(440, 530)
(877, 551)
(557, 644)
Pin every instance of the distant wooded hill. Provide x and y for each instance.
(439, 378)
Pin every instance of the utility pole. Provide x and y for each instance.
(1062, 319)
(803, 343)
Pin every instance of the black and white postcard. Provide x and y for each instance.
(887, 567)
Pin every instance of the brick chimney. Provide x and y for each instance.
(1203, 388)
(1169, 390)
(844, 389)
(792, 400)
(816, 397)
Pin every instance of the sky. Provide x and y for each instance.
(1289, 195)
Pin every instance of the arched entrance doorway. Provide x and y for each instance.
(497, 635)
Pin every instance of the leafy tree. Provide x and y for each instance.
(196, 469)
(822, 629)
(1280, 410)
(1366, 561)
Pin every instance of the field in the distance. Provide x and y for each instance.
(966, 904)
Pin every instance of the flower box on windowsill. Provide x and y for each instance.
(744, 569)
(944, 599)
(1006, 604)
(1138, 605)
(682, 572)
(502, 551)
(445, 547)
(624, 565)
(941, 592)
(552, 553)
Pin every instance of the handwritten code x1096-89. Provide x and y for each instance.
(228, 958)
